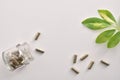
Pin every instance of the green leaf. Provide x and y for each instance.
(105, 36)
(95, 23)
(107, 16)
(114, 40)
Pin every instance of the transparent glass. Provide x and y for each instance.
(18, 56)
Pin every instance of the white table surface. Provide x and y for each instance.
(63, 35)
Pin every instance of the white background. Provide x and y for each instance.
(62, 36)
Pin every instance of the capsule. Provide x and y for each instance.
(14, 63)
(39, 50)
(84, 57)
(37, 35)
(75, 70)
(90, 64)
(74, 59)
(20, 60)
(104, 62)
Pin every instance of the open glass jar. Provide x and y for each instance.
(18, 56)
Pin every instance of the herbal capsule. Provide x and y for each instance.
(75, 58)
(37, 36)
(75, 70)
(39, 50)
(20, 60)
(105, 63)
(90, 64)
(14, 63)
(84, 57)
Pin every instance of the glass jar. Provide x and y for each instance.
(18, 56)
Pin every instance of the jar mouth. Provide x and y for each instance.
(18, 56)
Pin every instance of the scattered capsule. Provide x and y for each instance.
(37, 35)
(75, 58)
(39, 50)
(75, 70)
(90, 64)
(84, 57)
(104, 62)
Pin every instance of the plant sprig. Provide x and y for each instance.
(111, 36)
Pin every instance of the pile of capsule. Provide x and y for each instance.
(90, 65)
(16, 60)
